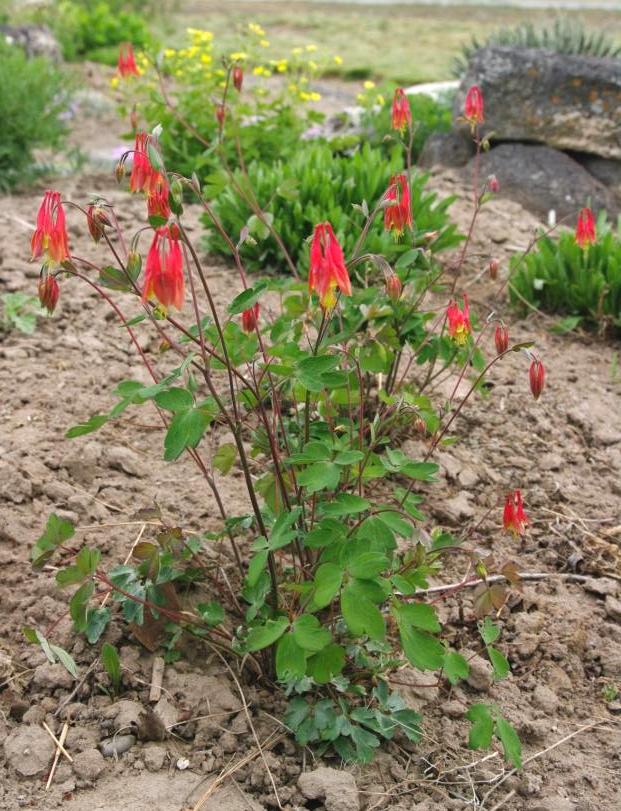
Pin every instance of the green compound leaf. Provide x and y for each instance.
(320, 476)
(57, 531)
(328, 578)
(324, 666)
(510, 742)
(262, 636)
(310, 634)
(482, 728)
(455, 667)
(361, 615)
(290, 659)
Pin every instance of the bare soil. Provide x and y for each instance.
(562, 635)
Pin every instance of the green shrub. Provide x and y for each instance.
(566, 36)
(585, 285)
(95, 30)
(33, 94)
(316, 185)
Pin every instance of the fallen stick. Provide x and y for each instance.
(499, 578)
(157, 676)
(59, 746)
(58, 743)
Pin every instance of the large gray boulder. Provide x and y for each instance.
(565, 101)
(541, 178)
(35, 40)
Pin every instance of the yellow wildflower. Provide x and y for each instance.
(296, 51)
(338, 60)
(256, 29)
(264, 43)
(368, 85)
(311, 48)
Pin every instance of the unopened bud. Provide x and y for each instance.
(394, 287)
(176, 191)
(501, 338)
(493, 184)
(536, 375)
(419, 426)
(133, 120)
(119, 171)
(96, 220)
(49, 292)
(430, 236)
(220, 114)
(493, 268)
(238, 78)
(133, 264)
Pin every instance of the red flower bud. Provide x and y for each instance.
(96, 220)
(394, 287)
(238, 77)
(493, 268)
(250, 318)
(494, 185)
(585, 228)
(49, 292)
(501, 338)
(220, 114)
(536, 376)
(473, 106)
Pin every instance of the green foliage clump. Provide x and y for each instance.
(33, 94)
(585, 285)
(95, 30)
(566, 36)
(316, 185)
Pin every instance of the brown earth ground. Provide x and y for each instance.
(562, 636)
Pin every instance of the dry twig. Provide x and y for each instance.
(58, 743)
(59, 747)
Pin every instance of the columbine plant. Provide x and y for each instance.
(327, 574)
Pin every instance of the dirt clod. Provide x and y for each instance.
(337, 788)
(28, 750)
(89, 764)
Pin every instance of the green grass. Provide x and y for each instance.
(403, 43)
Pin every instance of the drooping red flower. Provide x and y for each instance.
(327, 266)
(473, 106)
(501, 338)
(398, 215)
(157, 200)
(585, 228)
(143, 177)
(220, 114)
(238, 77)
(163, 278)
(49, 292)
(50, 236)
(514, 519)
(250, 318)
(401, 112)
(536, 376)
(127, 62)
(494, 185)
(394, 288)
(459, 327)
(96, 220)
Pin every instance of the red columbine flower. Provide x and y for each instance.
(585, 228)
(49, 292)
(536, 375)
(473, 106)
(238, 77)
(220, 114)
(127, 63)
(501, 338)
(327, 266)
(401, 113)
(514, 519)
(250, 318)
(50, 236)
(398, 215)
(157, 201)
(459, 321)
(143, 177)
(494, 185)
(163, 279)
